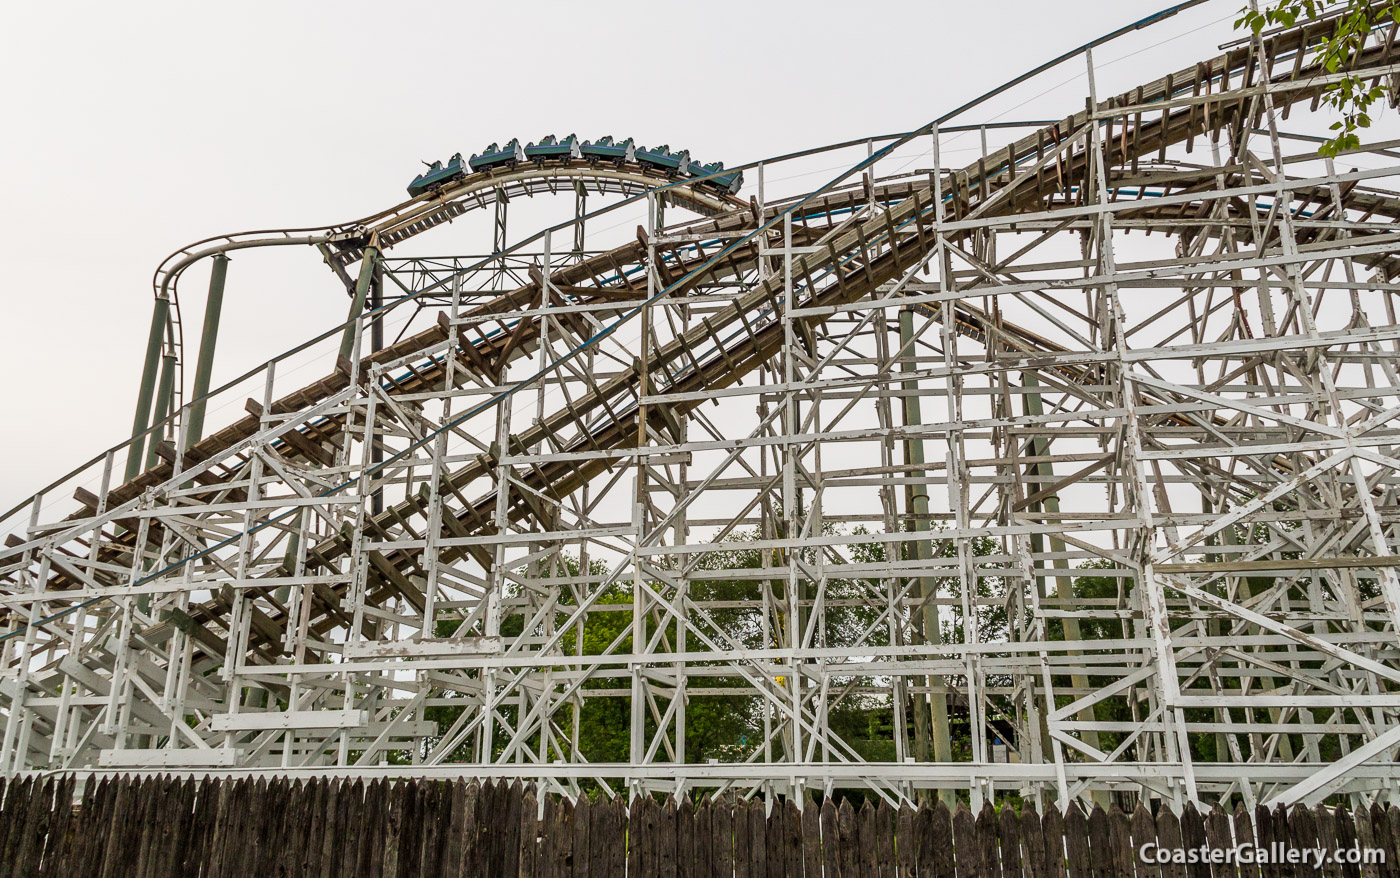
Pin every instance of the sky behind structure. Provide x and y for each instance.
(134, 129)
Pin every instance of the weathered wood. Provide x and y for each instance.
(583, 827)
(1193, 835)
(548, 832)
(666, 839)
(1120, 842)
(1077, 859)
(811, 838)
(831, 838)
(1144, 832)
(636, 828)
(1365, 837)
(1380, 831)
(1264, 837)
(1220, 837)
(1244, 834)
(966, 852)
(885, 854)
(1032, 842)
(987, 841)
(848, 839)
(865, 825)
(1009, 828)
(907, 840)
(776, 861)
(1052, 826)
(1169, 837)
(936, 843)
(1102, 861)
(704, 833)
(722, 831)
(792, 840)
(1302, 832)
(527, 847)
(758, 840)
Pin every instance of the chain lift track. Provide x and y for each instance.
(1069, 471)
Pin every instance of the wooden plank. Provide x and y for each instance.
(510, 836)
(548, 830)
(906, 840)
(742, 848)
(885, 854)
(869, 847)
(936, 858)
(1100, 844)
(1121, 842)
(1264, 837)
(1169, 837)
(1220, 835)
(1243, 830)
(1361, 820)
(831, 839)
(792, 839)
(987, 843)
(758, 839)
(527, 836)
(685, 839)
(1302, 831)
(1077, 859)
(564, 842)
(666, 839)
(1345, 827)
(1193, 835)
(619, 824)
(704, 833)
(811, 838)
(396, 800)
(1009, 828)
(1052, 827)
(848, 838)
(1032, 842)
(1325, 820)
(966, 849)
(583, 826)
(1380, 831)
(1144, 830)
(636, 828)
(1392, 818)
(774, 835)
(721, 859)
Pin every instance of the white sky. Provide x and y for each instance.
(133, 129)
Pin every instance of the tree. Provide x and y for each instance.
(1350, 96)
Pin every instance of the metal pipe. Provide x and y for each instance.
(159, 318)
(162, 412)
(376, 343)
(357, 305)
(208, 338)
(918, 507)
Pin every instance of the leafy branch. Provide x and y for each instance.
(1349, 96)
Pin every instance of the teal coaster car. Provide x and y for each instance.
(498, 156)
(548, 148)
(436, 175)
(605, 150)
(660, 157)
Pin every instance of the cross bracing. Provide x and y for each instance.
(1082, 450)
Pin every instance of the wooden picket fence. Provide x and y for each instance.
(328, 828)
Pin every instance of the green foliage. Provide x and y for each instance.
(1350, 96)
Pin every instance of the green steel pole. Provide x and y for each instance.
(357, 306)
(148, 386)
(163, 400)
(208, 338)
(918, 505)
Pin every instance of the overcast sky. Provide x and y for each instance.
(133, 129)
